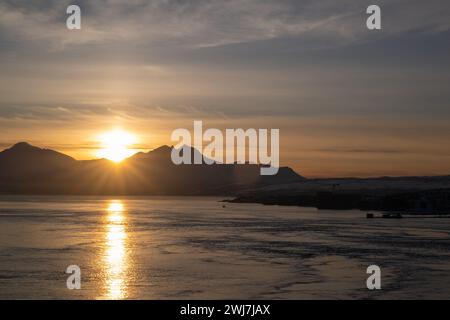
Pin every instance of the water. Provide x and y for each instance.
(194, 248)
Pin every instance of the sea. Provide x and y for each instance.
(203, 248)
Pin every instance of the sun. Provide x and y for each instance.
(115, 145)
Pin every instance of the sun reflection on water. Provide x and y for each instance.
(116, 255)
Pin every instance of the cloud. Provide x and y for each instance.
(212, 23)
(308, 67)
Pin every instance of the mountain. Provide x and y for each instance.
(26, 169)
(23, 158)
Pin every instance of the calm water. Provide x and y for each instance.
(193, 248)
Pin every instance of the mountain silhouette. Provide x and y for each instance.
(24, 161)
(26, 169)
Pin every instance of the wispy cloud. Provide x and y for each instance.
(342, 96)
(213, 22)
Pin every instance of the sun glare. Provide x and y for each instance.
(115, 145)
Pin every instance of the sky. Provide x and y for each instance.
(348, 101)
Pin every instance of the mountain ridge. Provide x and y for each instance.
(26, 169)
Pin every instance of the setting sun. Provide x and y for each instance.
(115, 145)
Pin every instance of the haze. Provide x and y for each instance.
(348, 101)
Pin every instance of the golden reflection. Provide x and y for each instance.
(116, 207)
(116, 255)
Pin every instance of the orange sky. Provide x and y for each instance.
(347, 101)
